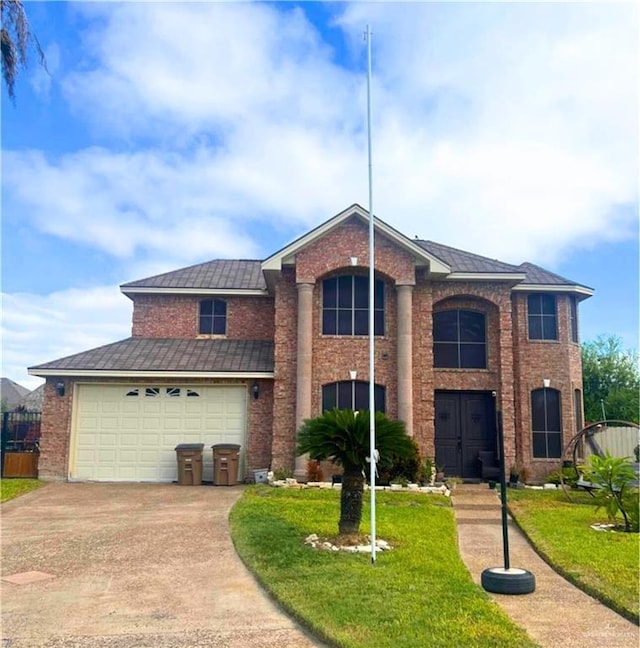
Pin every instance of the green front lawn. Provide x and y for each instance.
(10, 488)
(418, 594)
(603, 564)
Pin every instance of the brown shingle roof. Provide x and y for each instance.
(461, 261)
(168, 355)
(537, 275)
(224, 274)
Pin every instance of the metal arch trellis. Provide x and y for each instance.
(587, 435)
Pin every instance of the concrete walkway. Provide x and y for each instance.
(132, 566)
(557, 614)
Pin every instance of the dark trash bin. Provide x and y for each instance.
(189, 457)
(225, 464)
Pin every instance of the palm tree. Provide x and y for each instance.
(342, 436)
(15, 39)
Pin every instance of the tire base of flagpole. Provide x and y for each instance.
(508, 581)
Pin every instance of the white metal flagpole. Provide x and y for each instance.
(372, 406)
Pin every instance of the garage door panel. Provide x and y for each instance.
(129, 433)
(127, 456)
(107, 441)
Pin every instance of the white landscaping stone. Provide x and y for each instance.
(549, 487)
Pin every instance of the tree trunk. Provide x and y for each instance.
(351, 501)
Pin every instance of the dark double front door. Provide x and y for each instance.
(464, 425)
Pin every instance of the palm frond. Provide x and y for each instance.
(343, 437)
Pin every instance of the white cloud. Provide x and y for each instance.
(506, 129)
(123, 204)
(40, 328)
(208, 68)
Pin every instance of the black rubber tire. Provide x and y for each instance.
(511, 581)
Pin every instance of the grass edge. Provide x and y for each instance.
(584, 587)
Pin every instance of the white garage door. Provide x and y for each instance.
(129, 432)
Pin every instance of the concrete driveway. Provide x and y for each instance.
(131, 565)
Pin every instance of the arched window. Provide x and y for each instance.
(213, 317)
(459, 339)
(546, 423)
(345, 306)
(352, 394)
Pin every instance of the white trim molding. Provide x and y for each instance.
(159, 375)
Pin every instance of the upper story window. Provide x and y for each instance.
(459, 339)
(546, 423)
(352, 394)
(542, 317)
(213, 317)
(573, 304)
(345, 306)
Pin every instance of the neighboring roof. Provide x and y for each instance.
(11, 392)
(161, 356)
(33, 400)
(219, 276)
(422, 256)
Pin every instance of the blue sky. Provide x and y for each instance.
(167, 134)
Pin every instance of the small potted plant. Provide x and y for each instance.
(518, 476)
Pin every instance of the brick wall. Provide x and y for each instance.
(53, 463)
(284, 384)
(559, 361)
(176, 316)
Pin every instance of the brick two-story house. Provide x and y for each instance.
(243, 351)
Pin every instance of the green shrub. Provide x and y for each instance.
(426, 472)
(616, 490)
(406, 469)
(569, 476)
(280, 474)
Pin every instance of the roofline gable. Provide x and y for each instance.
(286, 254)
